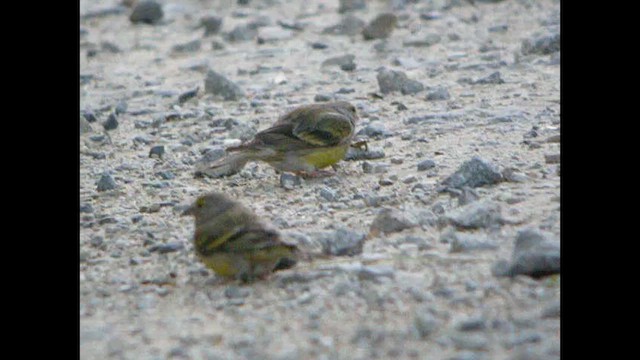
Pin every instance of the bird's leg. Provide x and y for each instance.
(360, 144)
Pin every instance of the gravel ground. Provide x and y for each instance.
(444, 235)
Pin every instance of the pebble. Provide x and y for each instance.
(461, 242)
(374, 131)
(426, 165)
(375, 168)
(474, 173)
(186, 96)
(85, 127)
(476, 215)
(348, 67)
(349, 26)
(289, 181)
(494, 79)
(237, 292)
(380, 27)
(111, 123)
(328, 194)
(425, 324)
(425, 41)
(541, 45)
(354, 154)
(273, 34)
(391, 220)
(219, 85)
(211, 24)
(323, 97)
(339, 60)
(341, 242)
(502, 28)
(167, 248)
(148, 12)
(472, 324)
(189, 47)
(90, 116)
(157, 151)
(106, 182)
(351, 5)
(438, 94)
(391, 81)
(241, 33)
(552, 158)
(319, 45)
(534, 254)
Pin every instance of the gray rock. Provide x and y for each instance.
(494, 79)
(241, 33)
(348, 67)
(551, 311)
(90, 116)
(272, 34)
(120, 108)
(535, 255)
(431, 15)
(391, 80)
(380, 27)
(110, 47)
(288, 181)
(426, 165)
(375, 168)
(237, 292)
(552, 158)
(474, 173)
(350, 25)
(362, 154)
(211, 24)
(467, 242)
(106, 182)
(478, 214)
(86, 208)
(148, 12)
(426, 41)
(391, 220)
(85, 127)
(157, 151)
(189, 47)
(425, 324)
(328, 194)
(502, 28)
(470, 341)
(341, 242)
(351, 5)
(472, 324)
(406, 62)
(375, 272)
(167, 248)
(339, 60)
(323, 97)
(111, 123)
(374, 131)
(219, 85)
(438, 94)
(319, 45)
(466, 195)
(186, 96)
(542, 45)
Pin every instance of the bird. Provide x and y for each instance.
(230, 240)
(302, 141)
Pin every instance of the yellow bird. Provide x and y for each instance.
(303, 141)
(231, 241)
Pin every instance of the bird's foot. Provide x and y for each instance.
(361, 144)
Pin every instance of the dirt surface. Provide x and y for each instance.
(430, 291)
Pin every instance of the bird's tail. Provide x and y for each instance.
(226, 166)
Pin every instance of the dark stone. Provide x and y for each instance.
(106, 183)
(380, 27)
(426, 165)
(211, 24)
(219, 85)
(148, 12)
(184, 97)
(474, 173)
(111, 123)
(319, 45)
(157, 151)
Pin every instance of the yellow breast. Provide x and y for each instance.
(323, 157)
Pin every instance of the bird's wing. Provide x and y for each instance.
(324, 129)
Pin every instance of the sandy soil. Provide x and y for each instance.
(407, 295)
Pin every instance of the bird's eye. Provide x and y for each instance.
(353, 109)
